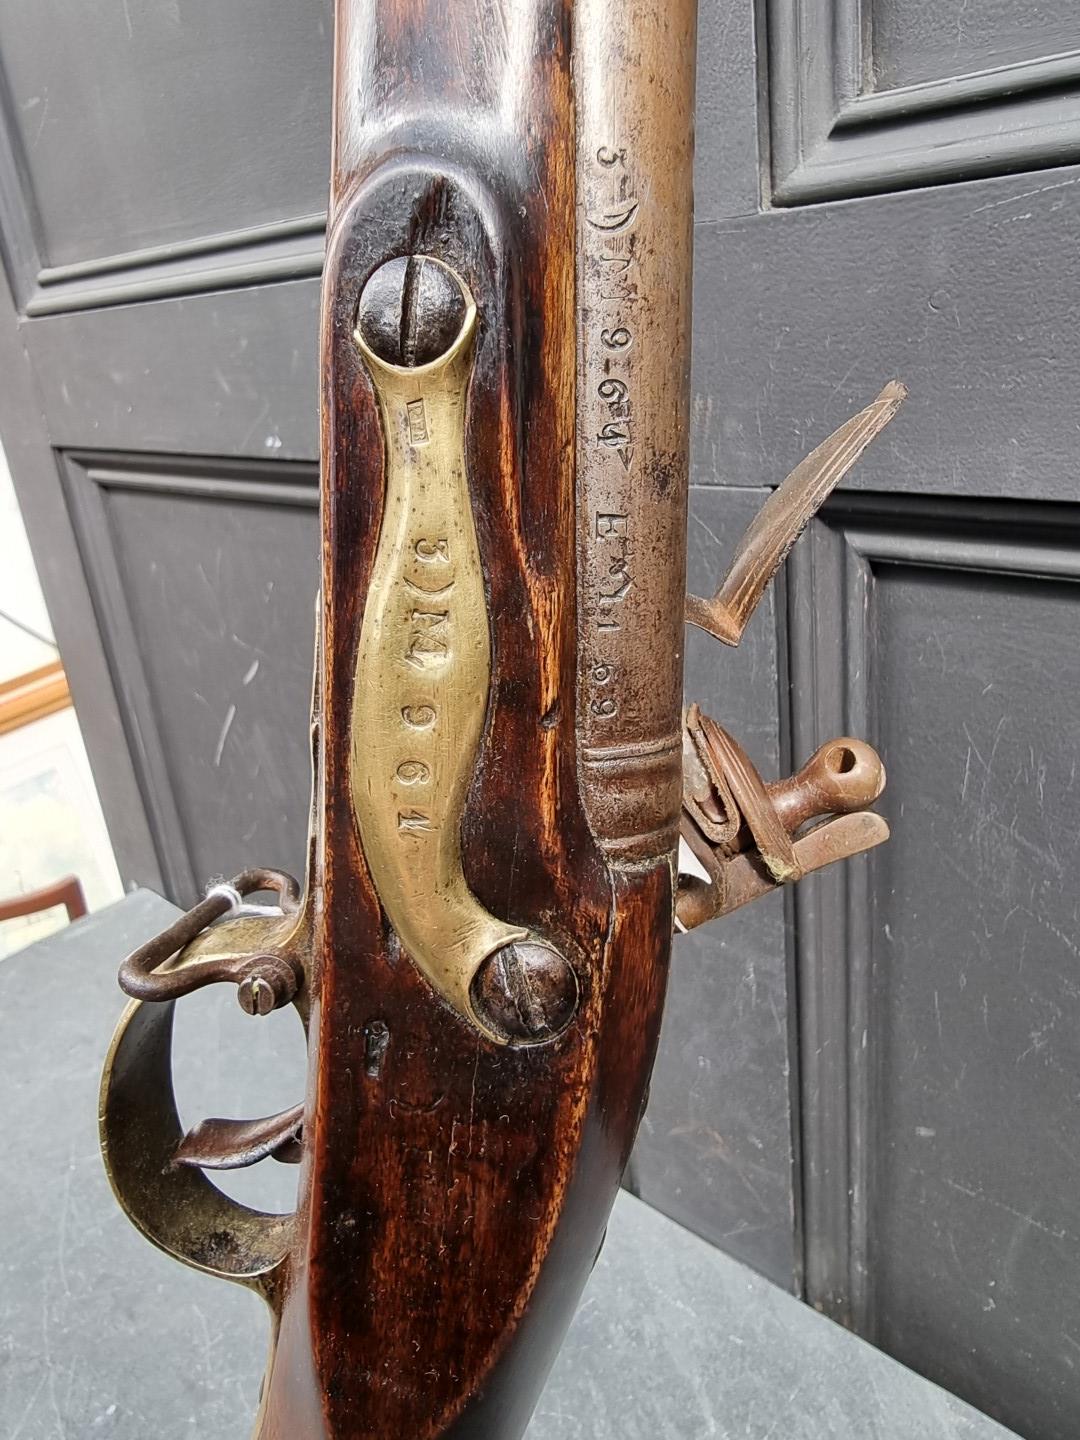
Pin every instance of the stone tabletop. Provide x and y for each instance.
(103, 1338)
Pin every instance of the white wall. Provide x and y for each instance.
(50, 819)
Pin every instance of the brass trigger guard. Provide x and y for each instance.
(156, 1171)
(142, 979)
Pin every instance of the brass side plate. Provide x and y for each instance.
(423, 675)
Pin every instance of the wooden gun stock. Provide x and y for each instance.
(502, 767)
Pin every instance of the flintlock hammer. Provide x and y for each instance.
(511, 811)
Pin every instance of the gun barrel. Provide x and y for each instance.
(634, 97)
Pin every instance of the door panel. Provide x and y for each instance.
(938, 1002)
(975, 989)
(210, 639)
(915, 41)
(715, 1146)
(137, 126)
(886, 190)
(227, 373)
(901, 92)
(958, 290)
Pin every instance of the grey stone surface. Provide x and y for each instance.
(100, 1335)
(677, 1341)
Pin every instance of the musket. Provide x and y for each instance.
(511, 811)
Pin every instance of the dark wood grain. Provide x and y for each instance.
(452, 1203)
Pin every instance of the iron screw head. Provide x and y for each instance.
(272, 982)
(256, 996)
(526, 991)
(411, 311)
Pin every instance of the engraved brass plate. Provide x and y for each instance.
(423, 675)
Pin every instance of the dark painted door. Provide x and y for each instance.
(867, 1090)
